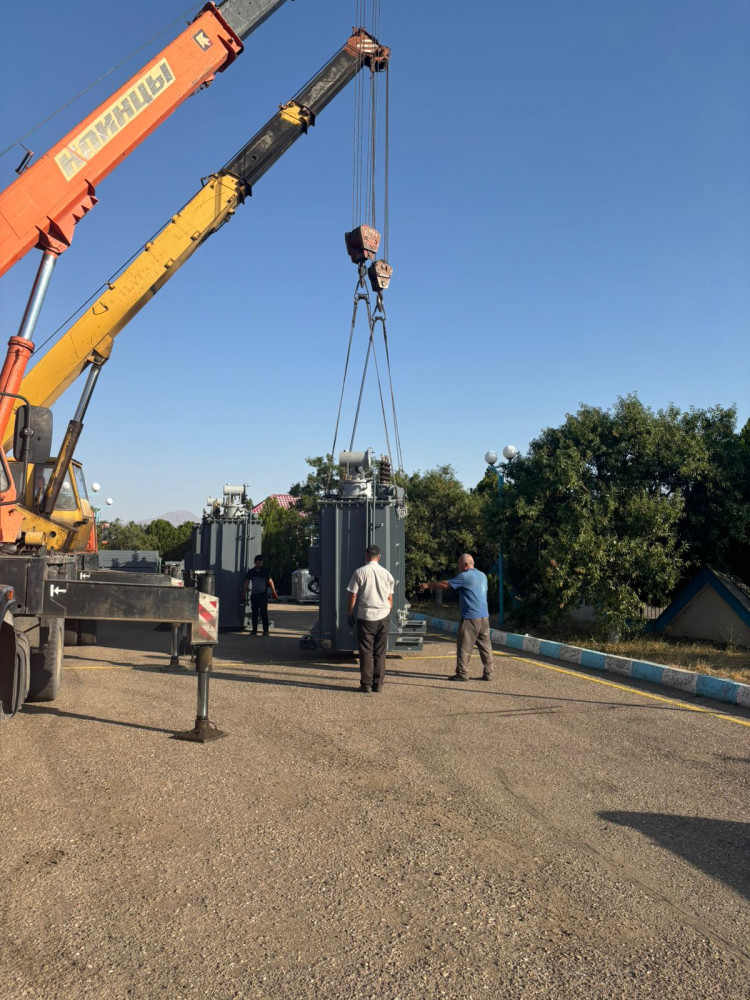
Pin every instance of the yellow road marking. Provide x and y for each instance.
(631, 690)
(613, 684)
(98, 666)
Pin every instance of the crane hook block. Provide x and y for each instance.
(362, 243)
(380, 272)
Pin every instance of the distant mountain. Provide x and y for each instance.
(175, 517)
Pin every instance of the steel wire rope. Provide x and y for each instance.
(397, 434)
(358, 297)
(371, 348)
(191, 10)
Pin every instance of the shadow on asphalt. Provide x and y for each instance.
(30, 709)
(720, 848)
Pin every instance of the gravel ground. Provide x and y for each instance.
(548, 835)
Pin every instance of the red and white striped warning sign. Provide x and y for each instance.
(206, 632)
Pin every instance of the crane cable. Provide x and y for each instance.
(364, 207)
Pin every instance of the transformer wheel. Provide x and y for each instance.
(46, 662)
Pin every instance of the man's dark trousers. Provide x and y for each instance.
(259, 605)
(373, 640)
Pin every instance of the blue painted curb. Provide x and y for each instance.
(688, 681)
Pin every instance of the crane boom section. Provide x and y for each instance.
(91, 337)
(42, 207)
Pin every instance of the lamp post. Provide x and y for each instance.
(491, 459)
(95, 487)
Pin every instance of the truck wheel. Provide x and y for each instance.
(14, 670)
(46, 661)
(87, 634)
(71, 631)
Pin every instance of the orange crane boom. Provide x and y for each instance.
(42, 207)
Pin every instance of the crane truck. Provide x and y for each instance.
(45, 487)
(39, 588)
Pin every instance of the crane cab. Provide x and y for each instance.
(72, 524)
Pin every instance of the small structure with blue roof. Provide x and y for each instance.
(714, 607)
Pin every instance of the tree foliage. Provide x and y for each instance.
(615, 508)
(169, 541)
(286, 538)
(444, 520)
(324, 478)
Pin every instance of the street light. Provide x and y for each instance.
(95, 487)
(490, 457)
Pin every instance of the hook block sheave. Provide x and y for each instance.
(362, 244)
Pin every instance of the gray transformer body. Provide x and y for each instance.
(366, 513)
(226, 543)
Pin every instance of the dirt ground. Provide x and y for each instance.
(549, 835)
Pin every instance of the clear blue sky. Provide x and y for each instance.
(569, 223)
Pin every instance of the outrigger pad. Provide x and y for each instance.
(203, 732)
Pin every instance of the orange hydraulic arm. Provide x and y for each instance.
(42, 207)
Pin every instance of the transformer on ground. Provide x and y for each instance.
(367, 510)
(226, 543)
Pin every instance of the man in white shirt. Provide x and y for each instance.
(371, 589)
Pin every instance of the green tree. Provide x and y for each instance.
(592, 514)
(324, 478)
(716, 521)
(161, 535)
(286, 538)
(443, 521)
(127, 535)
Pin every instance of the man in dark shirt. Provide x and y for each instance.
(257, 581)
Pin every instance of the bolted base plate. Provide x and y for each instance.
(203, 732)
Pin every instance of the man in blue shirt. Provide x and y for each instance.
(474, 629)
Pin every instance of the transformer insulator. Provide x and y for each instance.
(362, 244)
(380, 272)
(384, 472)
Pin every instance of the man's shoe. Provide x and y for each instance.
(458, 677)
(254, 632)
(376, 688)
(365, 689)
(266, 633)
(484, 677)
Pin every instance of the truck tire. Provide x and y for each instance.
(87, 633)
(46, 661)
(71, 631)
(14, 670)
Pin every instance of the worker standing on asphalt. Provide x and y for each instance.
(258, 581)
(371, 589)
(474, 628)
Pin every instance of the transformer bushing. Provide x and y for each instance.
(367, 510)
(226, 543)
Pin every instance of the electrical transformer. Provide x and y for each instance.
(226, 543)
(368, 509)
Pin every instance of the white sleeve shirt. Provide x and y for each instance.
(373, 585)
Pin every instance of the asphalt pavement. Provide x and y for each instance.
(553, 834)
